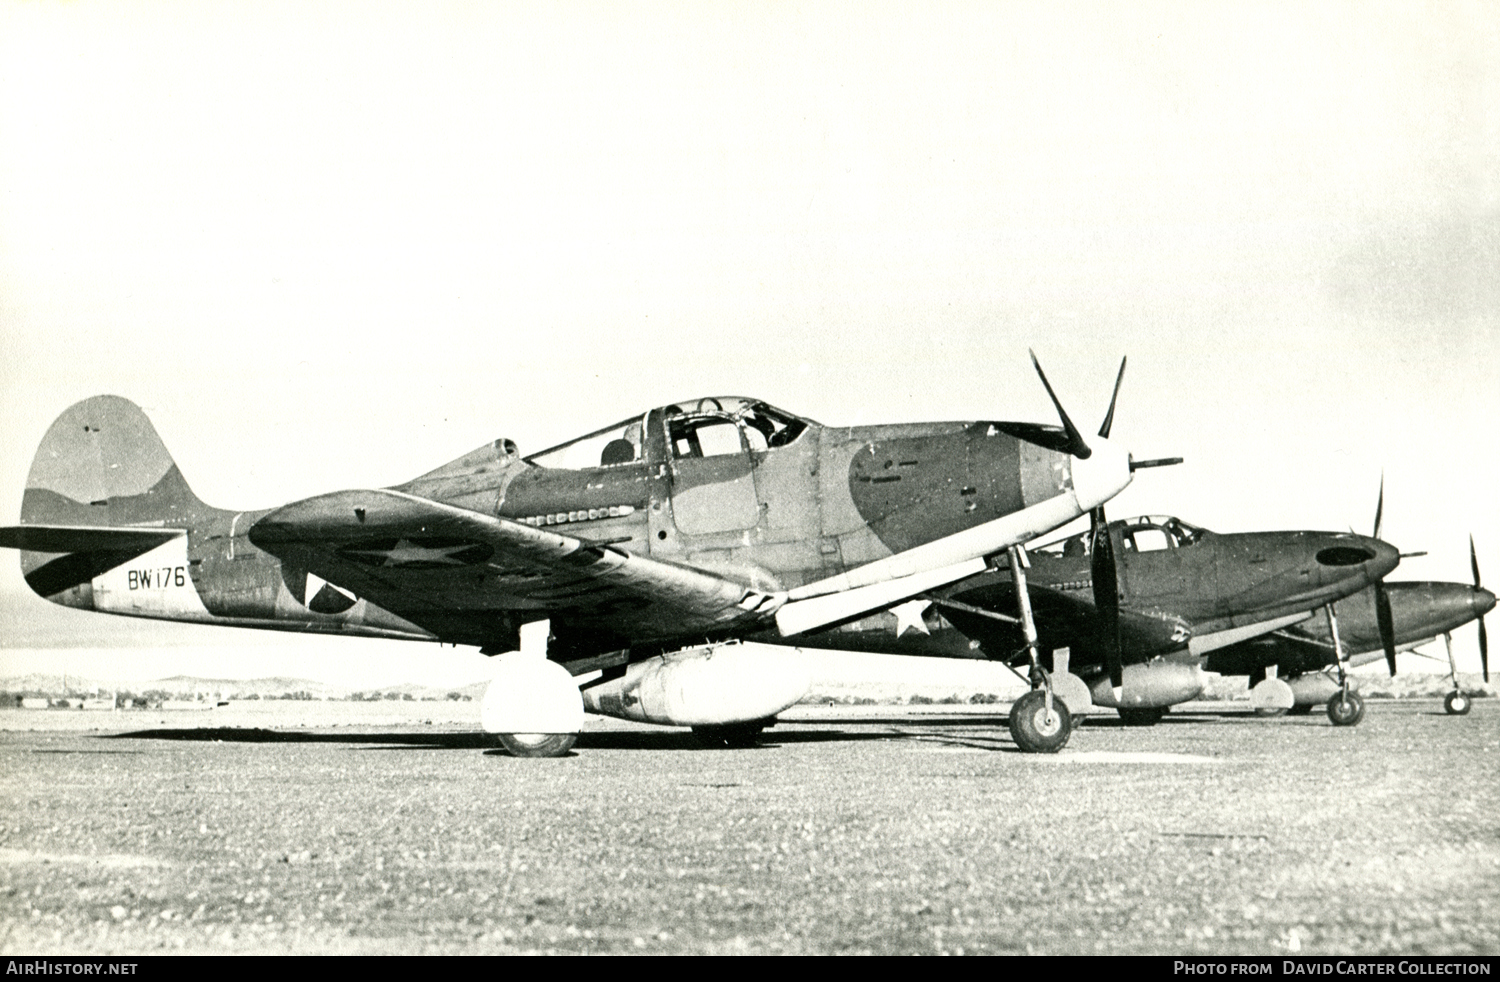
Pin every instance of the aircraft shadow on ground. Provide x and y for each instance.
(235, 734)
(609, 740)
(986, 732)
(684, 740)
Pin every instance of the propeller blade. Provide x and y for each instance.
(1048, 437)
(1109, 417)
(1379, 509)
(1484, 650)
(1387, 625)
(1484, 637)
(1383, 616)
(1076, 445)
(1107, 598)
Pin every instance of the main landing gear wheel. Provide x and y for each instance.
(1346, 708)
(731, 735)
(1142, 717)
(1457, 704)
(1034, 730)
(537, 744)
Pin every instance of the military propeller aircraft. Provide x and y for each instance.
(1295, 661)
(623, 564)
(1180, 594)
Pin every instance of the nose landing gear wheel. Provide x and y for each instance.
(1034, 730)
(537, 744)
(1457, 704)
(1346, 709)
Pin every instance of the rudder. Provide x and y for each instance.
(101, 463)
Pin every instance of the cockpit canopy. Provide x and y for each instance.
(1147, 533)
(708, 427)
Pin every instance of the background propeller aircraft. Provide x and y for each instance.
(1300, 655)
(626, 559)
(1166, 592)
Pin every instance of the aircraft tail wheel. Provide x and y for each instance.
(1034, 730)
(537, 744)
(1149, 716)
(1346, 708)
(1300, 709)
(1271, 711)
(1457, 704)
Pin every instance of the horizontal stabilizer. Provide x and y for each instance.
(83, 538)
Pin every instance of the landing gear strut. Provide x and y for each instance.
(1039, 721)
(1457, 702)
(1346, 708)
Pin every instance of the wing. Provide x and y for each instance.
(1063, 620)
(472, 579)
(1294, 651)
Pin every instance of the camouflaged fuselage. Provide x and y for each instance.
(825, 501)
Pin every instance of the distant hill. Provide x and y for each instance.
(828, 687)
(188, 687)
(1404, 686)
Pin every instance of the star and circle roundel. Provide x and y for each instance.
(418, 552)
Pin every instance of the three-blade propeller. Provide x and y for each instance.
(1102, 567)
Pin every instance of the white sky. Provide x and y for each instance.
(334, 245)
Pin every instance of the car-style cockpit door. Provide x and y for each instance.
(1149, 561)
(709, 470)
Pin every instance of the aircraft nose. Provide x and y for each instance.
(1387, 558)
(1481, 601)
(1350, 553)
(1101, 476)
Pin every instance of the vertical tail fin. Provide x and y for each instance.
(101, 463)
(101, 467)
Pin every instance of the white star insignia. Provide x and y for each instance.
(406, 551)
(909, 615)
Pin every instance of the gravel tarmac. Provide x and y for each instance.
(396, 828)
